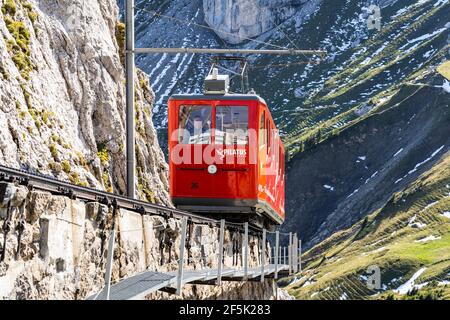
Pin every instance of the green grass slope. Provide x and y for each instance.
(409, 233)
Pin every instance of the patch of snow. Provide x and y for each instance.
(430, 205)
(398, 152)
(429, 238)
(371, 177)
(362, 158)
(410, 284)
(417, 166)
(344, 296)
(446, 86)
(353, 193)
(446, 214)
(328, 187)
(412, 223)
(308, 283)
(439, 2)
(314, 294)
(444, 283)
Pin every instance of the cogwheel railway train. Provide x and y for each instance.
(226, 156)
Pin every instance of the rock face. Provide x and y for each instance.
(238, 20)
(62, 97)
(63, 249)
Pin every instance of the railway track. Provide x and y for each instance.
(57, 187)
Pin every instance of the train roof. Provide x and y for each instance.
(230, 96)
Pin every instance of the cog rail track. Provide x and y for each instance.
(57, 187)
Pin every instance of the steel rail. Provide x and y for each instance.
(55, 186)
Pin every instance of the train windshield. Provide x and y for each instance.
(195, 124)
(231, 125)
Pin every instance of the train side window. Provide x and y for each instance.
(195, 125)
(269, 135)
(262, 129)
(231, 125)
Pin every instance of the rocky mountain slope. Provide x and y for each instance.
(306, 95)
(62, 97)
(364, 163)
(366, 73)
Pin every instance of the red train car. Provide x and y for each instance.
(226, 157)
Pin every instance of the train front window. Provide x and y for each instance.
(231, 125)
(195, 125)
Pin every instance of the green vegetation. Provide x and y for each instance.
(81, 159)
(53, 151)
(107, 182)
(19, 46)
(66, 166)
(9, 7)
(444, 69)
(120, 37)
(143, 187)
(4, 73)
(103, 154)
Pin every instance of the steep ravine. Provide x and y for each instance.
(344, 178)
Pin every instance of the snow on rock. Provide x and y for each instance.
(446, 86)
(326, 186)
(344, 296)
(410, 284)
(412, 223)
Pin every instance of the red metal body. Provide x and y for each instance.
(249, 179)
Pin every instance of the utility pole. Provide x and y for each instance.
(131, 51)
(130, 107)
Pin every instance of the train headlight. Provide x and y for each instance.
(212, 169)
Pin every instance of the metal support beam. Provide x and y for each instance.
(130, 112)
(295, 254)
(277, 244)
(109, 262)
(284, 255)
(228, 51)
(290, 253)
(220, 262)
(181, 260)
(299, 255)
(246, 251)
(263, 254)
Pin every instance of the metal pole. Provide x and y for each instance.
(290, 252)
(246, 251)
(220, 264)
(299, 255)
(228, 51)
(280, 257)
(277, 243)
(181, 261)
(295, 254)
(130, 119)
(109, 262)
(284, 255)
(263, 254)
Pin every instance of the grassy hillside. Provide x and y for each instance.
(347, 173)
(410, 232)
